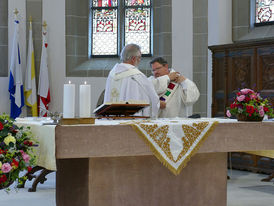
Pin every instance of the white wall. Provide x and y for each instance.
(53, 12)
(54, 15)
(182, 37)
(219, 32)
(219, 22)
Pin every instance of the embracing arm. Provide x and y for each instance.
(190, 93)
(160, 84)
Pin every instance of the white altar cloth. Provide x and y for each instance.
(45, 134)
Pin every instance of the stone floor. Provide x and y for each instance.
(244, 189)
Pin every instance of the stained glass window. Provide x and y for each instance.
(137, 25)
(137, 2)
(104, 3)
(104, 27)
(132, 16)
(264, 11)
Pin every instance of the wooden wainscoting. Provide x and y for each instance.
(243, 65)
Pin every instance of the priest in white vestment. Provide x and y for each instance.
(126, 82)
(174, 89)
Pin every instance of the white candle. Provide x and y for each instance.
(69, 100)
(84, 100)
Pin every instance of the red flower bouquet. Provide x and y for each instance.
(249, 105)
(16, 152)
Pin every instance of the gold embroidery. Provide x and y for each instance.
(114, 95)
(159, 135)
(191, 134)
(191, 142)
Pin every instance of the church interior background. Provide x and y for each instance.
(182, 32)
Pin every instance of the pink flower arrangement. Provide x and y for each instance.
(250, 104)
(25, 156)
(16, 153)
(6, 168)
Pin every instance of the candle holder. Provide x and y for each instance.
(55, 116)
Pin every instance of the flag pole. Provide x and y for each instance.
(30, 22)
(16, 12)
(45, 25)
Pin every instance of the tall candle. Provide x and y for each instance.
(84, 101)
(69, 100)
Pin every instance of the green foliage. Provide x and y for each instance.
(16, 151)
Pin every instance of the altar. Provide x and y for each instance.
(110, 165)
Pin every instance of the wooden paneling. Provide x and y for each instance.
(241, 65)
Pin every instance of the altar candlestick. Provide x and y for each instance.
(84, 101)
(69, 100)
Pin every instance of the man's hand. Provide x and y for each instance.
(173, 76)
(162, 104)
(180, 79)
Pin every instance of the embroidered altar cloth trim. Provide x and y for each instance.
(173, 142)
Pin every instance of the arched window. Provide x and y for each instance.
(116, 23)
(264, 12)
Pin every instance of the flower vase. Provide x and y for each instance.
(242, 117)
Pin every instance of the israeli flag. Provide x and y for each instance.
(16, 89)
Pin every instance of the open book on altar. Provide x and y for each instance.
(122, 108)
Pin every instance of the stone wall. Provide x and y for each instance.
(200, 44)
(78, 64)
(243, 26)
(4, 38)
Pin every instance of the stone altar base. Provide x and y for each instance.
(141, 181)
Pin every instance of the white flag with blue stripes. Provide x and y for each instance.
(16, 89)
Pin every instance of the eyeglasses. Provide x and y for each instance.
(157, 69)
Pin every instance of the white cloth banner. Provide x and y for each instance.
(173, 142)
(15, 78)
(30, 81)
(43, 87)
